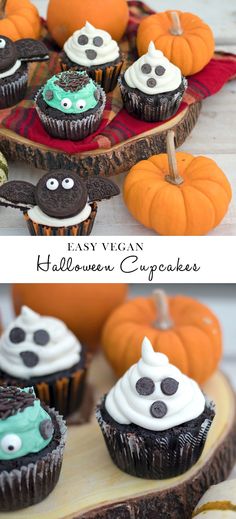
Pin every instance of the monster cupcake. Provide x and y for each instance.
(152, 88)
(70, 105)
(61, 204)
(41, 352)
(32, 441)
(94, 51)
(14, 57)
(155, 420)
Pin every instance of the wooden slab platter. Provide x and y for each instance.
(91, 487)
(109, 162)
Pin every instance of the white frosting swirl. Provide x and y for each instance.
(38, 216)
(62, 351)
(107, 52)
(167, 80)
(126, 405)
(11, 71)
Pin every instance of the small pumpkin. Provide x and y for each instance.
(19, 19)
(219, 501)
(181, 327)
(177, 194)
(3, 169)
(66, 16)
(83, 307)
(184, 38)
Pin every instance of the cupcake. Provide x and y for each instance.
(152, 88)
(155, 420)
(14, 57)
(94, 51)
(70, 105)
(32, 441)
(42, 352)
(61, 204)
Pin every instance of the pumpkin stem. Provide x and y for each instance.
(176, 28)
(163, 321)
(2, 8)
(173, 177)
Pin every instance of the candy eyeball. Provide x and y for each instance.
(68, 183)
(17, 335)
(2, 43)
(52, 184)
(11, 443)
(66, 103)
(80, 104)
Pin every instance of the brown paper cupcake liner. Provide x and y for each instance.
(106, 77)
(152, 456)
(30, 484)
(73, 130)
(13, 92)
(81, 229)
(160, 108)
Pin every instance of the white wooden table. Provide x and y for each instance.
(214, 134)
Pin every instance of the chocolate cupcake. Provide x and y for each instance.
(152, 88)
(70, 105)
(14, 58)
(155, 420)
(42, 352)
(95, 52)
(32, 441)
(61, 204)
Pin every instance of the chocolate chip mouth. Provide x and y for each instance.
(30, 359)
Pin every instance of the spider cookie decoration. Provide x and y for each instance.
(60, 204)
(14, 59)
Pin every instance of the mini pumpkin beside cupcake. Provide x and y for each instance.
(70, 105)
(152, 88)
(32, 441)
(14, 69)
(155, 420)
(94, 51)
(42, 352)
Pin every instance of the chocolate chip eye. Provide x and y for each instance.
(68, 183)
(80, 104)
(159, 70)
(146, 68)
(17, 335)
(169, 386)
(49, 95)
(98, 41)
(41, 337)
(52, 184)
(30, 359)
(2, 43)
(91, 54)
(145, 386)
(158, 409)
(66, 103)
(46, 429)
(83, 39)
(151, 82)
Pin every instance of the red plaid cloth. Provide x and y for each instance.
(117, 125)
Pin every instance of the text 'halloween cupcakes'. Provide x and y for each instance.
(152, 87)
(42, 352)
(155, 420)
(94, 51)
(70, 105)
(32, 441)
(61, 204)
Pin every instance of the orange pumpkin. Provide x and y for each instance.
(19, 19)
(177, 194)
(184, 39)
(83, 307)
(66, 16)
(181, 327)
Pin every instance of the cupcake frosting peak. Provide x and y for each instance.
(153, 73)
(28, 315)
(154, 394)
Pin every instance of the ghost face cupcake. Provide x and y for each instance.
(42, 352)
(32, 440)
(155, 420)
(152, 88)
(94, 51)
(70, 105)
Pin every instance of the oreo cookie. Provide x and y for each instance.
(100, 188)
(8, 53)
(31, 50)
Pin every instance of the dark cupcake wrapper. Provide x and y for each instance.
(154, 457)
(159, 107)
(106, 76)
(13, 92)
(30, 484)
(73, 130)
(81, 229)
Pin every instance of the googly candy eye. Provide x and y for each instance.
(11, 443)
(80, 104)
(68, 183)
(2, 43)
(52, 184)
(66, 103)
